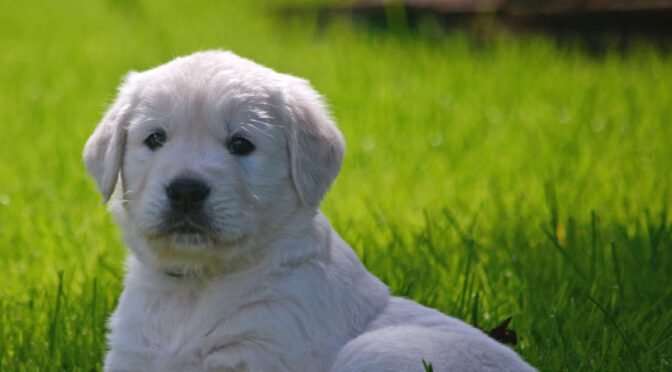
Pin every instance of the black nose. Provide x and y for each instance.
(187, 194)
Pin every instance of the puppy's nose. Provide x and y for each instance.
(187, 194)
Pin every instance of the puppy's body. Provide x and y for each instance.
(238, 271)
(285, 313)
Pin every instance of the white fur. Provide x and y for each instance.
(270, 286)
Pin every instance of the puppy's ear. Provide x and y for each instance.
(316, 146)
(104, 150)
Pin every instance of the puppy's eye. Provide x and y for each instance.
(240, 146)
(155, 140)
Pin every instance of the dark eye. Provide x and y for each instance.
(240, 146)
(155, 140)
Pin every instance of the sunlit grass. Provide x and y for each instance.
(510, 177)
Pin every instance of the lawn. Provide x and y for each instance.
(506, 177)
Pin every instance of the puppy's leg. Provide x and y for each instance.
(403, 348)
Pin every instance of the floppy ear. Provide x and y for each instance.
(316, 146)
(104, 150)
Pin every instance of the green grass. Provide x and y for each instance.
(511, 177)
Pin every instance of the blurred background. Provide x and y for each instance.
(595, 22)
(505, 158)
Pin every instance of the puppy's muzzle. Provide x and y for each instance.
(187, 195)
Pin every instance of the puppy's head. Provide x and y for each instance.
(211, 153)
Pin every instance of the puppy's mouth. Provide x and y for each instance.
(196, 228)
(185, 224)
(185, 228)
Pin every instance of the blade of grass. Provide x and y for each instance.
(617, 328)
(53, 327)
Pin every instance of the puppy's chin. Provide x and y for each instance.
(192, 254)
(191, 241)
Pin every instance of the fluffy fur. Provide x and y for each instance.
(261, 282)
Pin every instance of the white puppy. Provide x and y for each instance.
(220, 165)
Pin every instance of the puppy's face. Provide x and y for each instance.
(215, 154)
(203, 168)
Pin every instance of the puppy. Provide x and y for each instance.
(218, 166)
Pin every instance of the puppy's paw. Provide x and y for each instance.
(225, 360)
